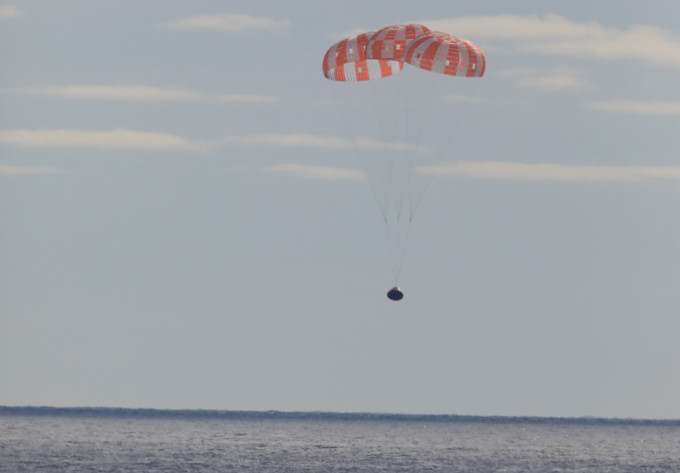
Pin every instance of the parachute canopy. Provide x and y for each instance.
(381, 54)
(345, 61)
(391, 41)
(446, 54)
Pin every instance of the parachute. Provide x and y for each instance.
(446, 54)
(345, 61)
(401, 92)
(391, 41)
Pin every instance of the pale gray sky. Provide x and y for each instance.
(183, 223)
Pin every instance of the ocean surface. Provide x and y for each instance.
(146, 440)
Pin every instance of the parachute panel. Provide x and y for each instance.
(391, 42)
(346, 61)
(446, 54)
(364, 70)
(348, 50)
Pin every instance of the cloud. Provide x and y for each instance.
(554, 34)
(8, 11)
(516, 27)
(20, 171)
(149, 141)
(253, 99)
(560, 78)
(349, 34)
(655, 107)
(553, 172)
(301, 140)
(134, 93)
(229, 23)
(290, 140)
(328, 102)
(139, 93)
(553, 82)
(465, 99)
(317, 172)
(116, 139)
(502, 171)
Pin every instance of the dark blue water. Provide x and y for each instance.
(121, 440)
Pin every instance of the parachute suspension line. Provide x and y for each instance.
(414, 154)
(387, 122)
(381, 133)
(466, 104)
(403, 253)
(392, 259)
(437, 165)
(355, 147)
(404, 148)
(400, 88)
(396, 256)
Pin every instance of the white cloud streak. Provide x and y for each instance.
(554, 34)
(8, 11)
(349, 34)
(317, 172)
(553, 82)
(229, 23)
(301, 140)
(560, 78)
(465, 99)
(139, 93)
(502, 171)
(24, 170)
(655, 107)
(116, 139)
(248, 99)
(553, 172)
(133, 93)
(149, 141)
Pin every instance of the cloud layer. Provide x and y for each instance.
(135, 93)
(554, 172)
(248, 99)
(290, 140)
(302, 140)
(317, 172)
(149, 141)
(139, 93)
(553, 82)
(8, 11)
(554, 34)
(502, 171)
(654, 107)
(116, 139)
(24, 170)
(229, 23)
(560, 78)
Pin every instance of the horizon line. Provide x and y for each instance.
(126, 412)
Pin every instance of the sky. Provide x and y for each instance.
(185, 224)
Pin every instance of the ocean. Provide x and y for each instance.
(147, 440)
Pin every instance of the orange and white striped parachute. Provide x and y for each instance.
(446, 54)
(402, 127)
(391, 42)
(346, 61)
